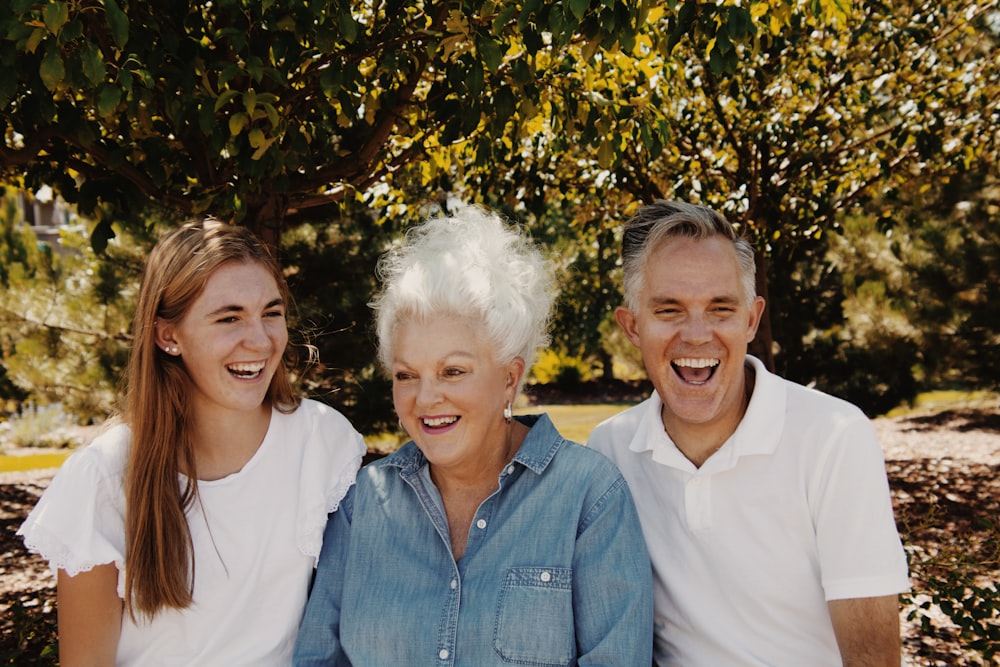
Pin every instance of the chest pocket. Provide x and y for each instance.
(534, 621)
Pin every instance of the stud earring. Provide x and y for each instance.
(508, 412)
(170, 349)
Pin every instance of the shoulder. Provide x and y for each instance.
(585, 462)
(317, 413)
(105, 456)
(317, 421)
(617, 432)
(811, 406)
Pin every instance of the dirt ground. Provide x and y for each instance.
(942, 470)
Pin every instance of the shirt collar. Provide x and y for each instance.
(759, 432)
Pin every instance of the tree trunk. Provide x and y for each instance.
(762, 346)
(607, 364)
(267, 221)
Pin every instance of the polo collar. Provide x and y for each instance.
(758, 433)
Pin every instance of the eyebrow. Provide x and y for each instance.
(670, 300)
(233, 308)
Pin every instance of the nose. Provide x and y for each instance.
(428, 394)
(256, 335)
(696, 330)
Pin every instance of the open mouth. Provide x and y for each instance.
(695, 370)
(246, 371)
(438, 422)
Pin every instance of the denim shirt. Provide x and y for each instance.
(555, 570)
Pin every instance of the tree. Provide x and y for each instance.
(64, 317)
(265, 112)
(786, 123)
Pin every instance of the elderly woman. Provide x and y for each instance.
(488, 539)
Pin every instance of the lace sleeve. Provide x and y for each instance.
(330, 466)
(79, 522)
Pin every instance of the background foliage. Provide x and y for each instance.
(855, 144)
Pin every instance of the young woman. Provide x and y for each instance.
(187, 533)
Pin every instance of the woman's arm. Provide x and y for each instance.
(612, 585)
(318, 642)
(90, 617)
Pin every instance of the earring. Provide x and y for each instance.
(508, 412)
(170, 349)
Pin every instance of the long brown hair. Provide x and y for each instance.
(159, 557)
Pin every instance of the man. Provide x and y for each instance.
(764, 504)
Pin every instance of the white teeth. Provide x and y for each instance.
(247, 370)
(696, 363)
(440, 421)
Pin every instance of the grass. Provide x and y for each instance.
(33, 461)
(575, 422)
(947, 399)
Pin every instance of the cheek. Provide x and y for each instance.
(399, 396)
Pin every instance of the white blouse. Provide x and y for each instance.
(257, 535)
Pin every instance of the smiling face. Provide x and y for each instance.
(450, 393)
(231, 340)
(692, 325)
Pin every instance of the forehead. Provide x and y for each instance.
(427, 340)
(683, 264)
(238, 283)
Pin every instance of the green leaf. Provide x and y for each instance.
(93, 63)
(272, 114)
(250, 101)
(37, 35)
(118, 23)
(740, 25)
(100, 236)
(52, 69)
(237, 122)
(685, 19)
(579, 8)
(224, 98)
(348, 27)
(491, 53)
(55, 16)
(107, 99)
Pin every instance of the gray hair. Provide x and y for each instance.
(655, 223)
(472, 265)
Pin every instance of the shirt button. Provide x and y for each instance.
(545, 576)
(443, 654)
(510, 470)
(481, 524)
(454, 584)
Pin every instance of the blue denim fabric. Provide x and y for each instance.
(555, 571)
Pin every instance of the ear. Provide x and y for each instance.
(756, 313)
(163, 335)
(515, 371)
(626, 320)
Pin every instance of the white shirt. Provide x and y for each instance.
(792, 511)
(257, 535)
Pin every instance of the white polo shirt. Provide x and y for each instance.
(792, 511)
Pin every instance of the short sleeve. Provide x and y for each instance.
(331, 460)
(79, 522)
(859, 547)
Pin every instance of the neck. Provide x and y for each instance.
(698, 442)
(223, 443)
(486, 471)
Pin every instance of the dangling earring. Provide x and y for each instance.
(508, 412)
